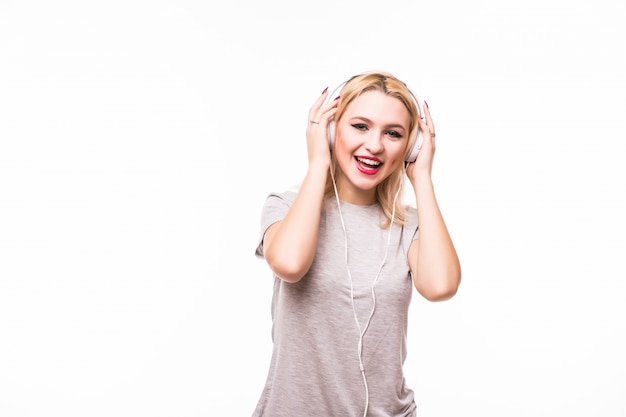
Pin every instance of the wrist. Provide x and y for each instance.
(318, 168)
(421, 179)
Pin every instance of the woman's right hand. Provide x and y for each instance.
(318, 148)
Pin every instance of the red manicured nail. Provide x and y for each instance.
(426, 104)
(325, 90)
(337, 98)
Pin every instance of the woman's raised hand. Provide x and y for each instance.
(320, 114)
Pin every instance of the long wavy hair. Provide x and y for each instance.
(394, 183)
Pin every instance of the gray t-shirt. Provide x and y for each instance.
(314, 369)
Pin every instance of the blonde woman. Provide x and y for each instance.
(346, 253)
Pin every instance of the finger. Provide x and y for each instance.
(428, 118)
(427, 132)
(318, 103)
(325, 112)
(423, 125)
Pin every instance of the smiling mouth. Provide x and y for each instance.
(369, 163)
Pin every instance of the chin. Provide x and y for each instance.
(365, 184)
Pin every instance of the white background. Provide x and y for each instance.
(138, 140)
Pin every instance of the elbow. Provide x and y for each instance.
(442, 289)
(287, 263)
(288, 277)
(440, 294)
(291, 272)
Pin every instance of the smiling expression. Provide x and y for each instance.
(372, 137)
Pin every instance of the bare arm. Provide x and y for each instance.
(290, 244)
(433, 260)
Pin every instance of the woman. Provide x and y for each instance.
(346, 253)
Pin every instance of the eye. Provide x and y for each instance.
(395, 134)
(360, 126)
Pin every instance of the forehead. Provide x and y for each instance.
(379, 107)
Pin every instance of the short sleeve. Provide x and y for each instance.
(274, 209)
(410, 224)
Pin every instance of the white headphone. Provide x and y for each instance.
(411, 154)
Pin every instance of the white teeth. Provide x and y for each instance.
(368, 162)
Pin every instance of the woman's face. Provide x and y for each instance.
(371, 141)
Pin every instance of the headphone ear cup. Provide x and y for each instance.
(331, 123)
(411, 155)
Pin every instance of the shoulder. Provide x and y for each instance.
(277, 203)
(280, 198)
(410, 221)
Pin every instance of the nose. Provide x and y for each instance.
(374, 142)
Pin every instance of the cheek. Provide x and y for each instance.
(343, 142)
(398, 150)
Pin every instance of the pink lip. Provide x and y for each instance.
(364, 169)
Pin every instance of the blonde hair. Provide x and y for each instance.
(392, 86)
